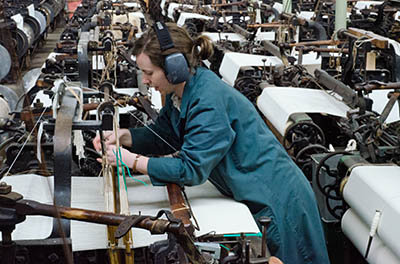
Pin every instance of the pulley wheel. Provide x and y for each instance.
(21, 42)
(34, 24)
(28, 30)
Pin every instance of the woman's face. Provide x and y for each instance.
(153, 75)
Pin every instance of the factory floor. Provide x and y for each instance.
(49, 44)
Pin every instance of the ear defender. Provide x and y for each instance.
(176, 67)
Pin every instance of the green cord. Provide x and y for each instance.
(225, 247)
(123, 170)
(129, 173)
(246, 235)
(119, 159)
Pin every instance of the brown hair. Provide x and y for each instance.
(194, 50)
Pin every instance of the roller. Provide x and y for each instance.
(4, 109)
(9, 95)
(42, 20)
(5, 65)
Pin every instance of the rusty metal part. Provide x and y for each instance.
(27, 118)
(316, 49)
(376, 85)
(394, 97)
(241, 3)
(155, 226)
(314, 43)
(264, 221)
(159, 226)
(288, 16)
(190, 249)
(42, 83)
(62, 57)
(4, 188)
(377, 40)
(267, 25)
(127, 224)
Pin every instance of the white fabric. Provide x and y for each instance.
(233, 61)
(366, 4)
(278, 103)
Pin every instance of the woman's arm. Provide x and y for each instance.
(158, 138)
(208, 137)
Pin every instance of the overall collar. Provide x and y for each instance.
(188, 92)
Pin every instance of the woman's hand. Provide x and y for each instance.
(134, 161)
(124, 135)
(124, 155)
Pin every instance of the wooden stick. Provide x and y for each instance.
(177, 203)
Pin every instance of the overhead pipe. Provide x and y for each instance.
(287, 6)
(340, 15)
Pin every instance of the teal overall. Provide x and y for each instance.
(221, 138)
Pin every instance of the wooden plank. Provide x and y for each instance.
(377, 40)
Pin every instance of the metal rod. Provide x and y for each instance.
(29, 207)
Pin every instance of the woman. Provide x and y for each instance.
(221, 138)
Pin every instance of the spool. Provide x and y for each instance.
(42, 20)
(34, 24)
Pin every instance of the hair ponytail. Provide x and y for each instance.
(202, 48)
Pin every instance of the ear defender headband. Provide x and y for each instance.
(176, 67)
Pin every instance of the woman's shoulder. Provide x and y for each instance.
(204, 74)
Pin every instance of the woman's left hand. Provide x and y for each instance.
(124, 155)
